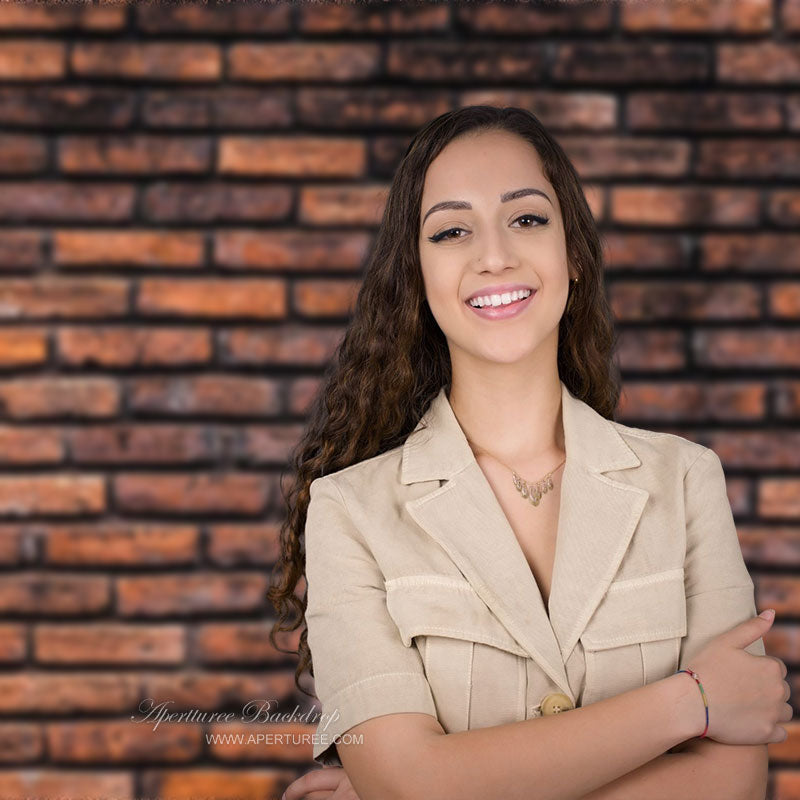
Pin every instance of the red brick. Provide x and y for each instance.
(216, 493)
(248, 19)
(23, 346)
(759, 62)
(68, 693)
(762, 449)
(54, 594)
(267, 444)
(22, 153)
(51, 494)
(109, 643)
(317, 298)
(296, 156)
(751, 251)
(13, 643)
(749, 158)
(140, 443)
(699, 16)
(52, 297)
(685, 206)
(264, 298)
(783, 207)
(293, 250)
(33, 445)
(287, 741)
(219, 107)
(761, 348)
(779, 497)
(770, 545)
(342, 205)
(784, 300)
(32, 60)
(790, 15)
(122, 741)
(462, 62)
(677, 300)
(625, 250)
(21, 249)
(651, 350)
(135, 248)
(58, 107)
(303, 61)
(216, 202)
(49, 783)
(598, 156)
(20, 742)
(628, 62)
(131, 346)
(138, 61)
(493, 19)
(36, 16)
(142, 154)
(214, 691)
(243, 544)
(199, 592)
(54, 200)
(289, 344)
(684, 400)
(206, 394)
(704, 111)
(34, 397)
(240, 642)
(371, 20)
(117, 544)
(215, 782)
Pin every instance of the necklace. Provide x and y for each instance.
(531, 491)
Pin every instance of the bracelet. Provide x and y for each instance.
(691, 673)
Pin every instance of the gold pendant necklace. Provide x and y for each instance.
(531, 491)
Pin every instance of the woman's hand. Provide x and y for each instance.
(328, 783)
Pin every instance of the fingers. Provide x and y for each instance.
(319, 780)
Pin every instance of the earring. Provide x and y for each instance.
(573, 281)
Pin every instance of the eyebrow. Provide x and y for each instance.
(460, 205)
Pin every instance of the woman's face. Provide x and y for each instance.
(492, 245)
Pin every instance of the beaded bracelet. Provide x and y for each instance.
(691, 673)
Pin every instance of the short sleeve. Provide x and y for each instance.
(362, 669)
(719, 589)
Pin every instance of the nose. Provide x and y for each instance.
(494, 253)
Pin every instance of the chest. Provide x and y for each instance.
(535, 527)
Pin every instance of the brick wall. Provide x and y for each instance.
(188, 193)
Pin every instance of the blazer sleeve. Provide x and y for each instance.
(362, 669)
(719, 589)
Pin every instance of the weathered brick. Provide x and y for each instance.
(125, 346)
(297, 156)
(242, 544)
(760, 348)
(21, 153)
(53, 297)
(294, 250)
(110, 643)
(367, 19)
(242, 18)
(21, 249)
(26, 346)
(53, 594)
(140, 443)
(192, 493)
(750, 251)
(136, 61)
(264, 298)
(54, 200)
(189, 784)
(128, 247)
(289, 344)
(301, 61)
(142, 154)
(749, 158)
(320, 298)
(59, 396)
(760, 62)
(63, 16)
(699, 16)
(67, 693)
(32, 60)
(342, 205)
(34, 445)
(240, 642)
(199, 592)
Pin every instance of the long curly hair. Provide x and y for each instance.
(393, 357)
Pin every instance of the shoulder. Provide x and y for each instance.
(660, 449)
(376, 475)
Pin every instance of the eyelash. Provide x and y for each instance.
(542, 220)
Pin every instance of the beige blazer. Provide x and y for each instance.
(421, 599)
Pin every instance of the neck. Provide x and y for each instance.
(517, 421)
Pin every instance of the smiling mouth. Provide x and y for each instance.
(499, 300)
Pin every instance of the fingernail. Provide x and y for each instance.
(768, 614)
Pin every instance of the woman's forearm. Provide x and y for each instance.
(564, 756)
(691, 776)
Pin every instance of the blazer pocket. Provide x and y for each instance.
(634, 636)
(475, 668)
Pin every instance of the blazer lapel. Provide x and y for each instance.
(597, 518)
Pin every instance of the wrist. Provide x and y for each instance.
(686, 701)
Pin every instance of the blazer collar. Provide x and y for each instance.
(597, 517)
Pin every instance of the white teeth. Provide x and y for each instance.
(499, 299)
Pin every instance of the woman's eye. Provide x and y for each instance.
(541, 220)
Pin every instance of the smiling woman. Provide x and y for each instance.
(455, 609)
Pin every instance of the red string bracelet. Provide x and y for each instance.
(692, 674)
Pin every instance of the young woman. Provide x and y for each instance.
(484, 547)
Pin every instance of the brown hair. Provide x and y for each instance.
(393, 357)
